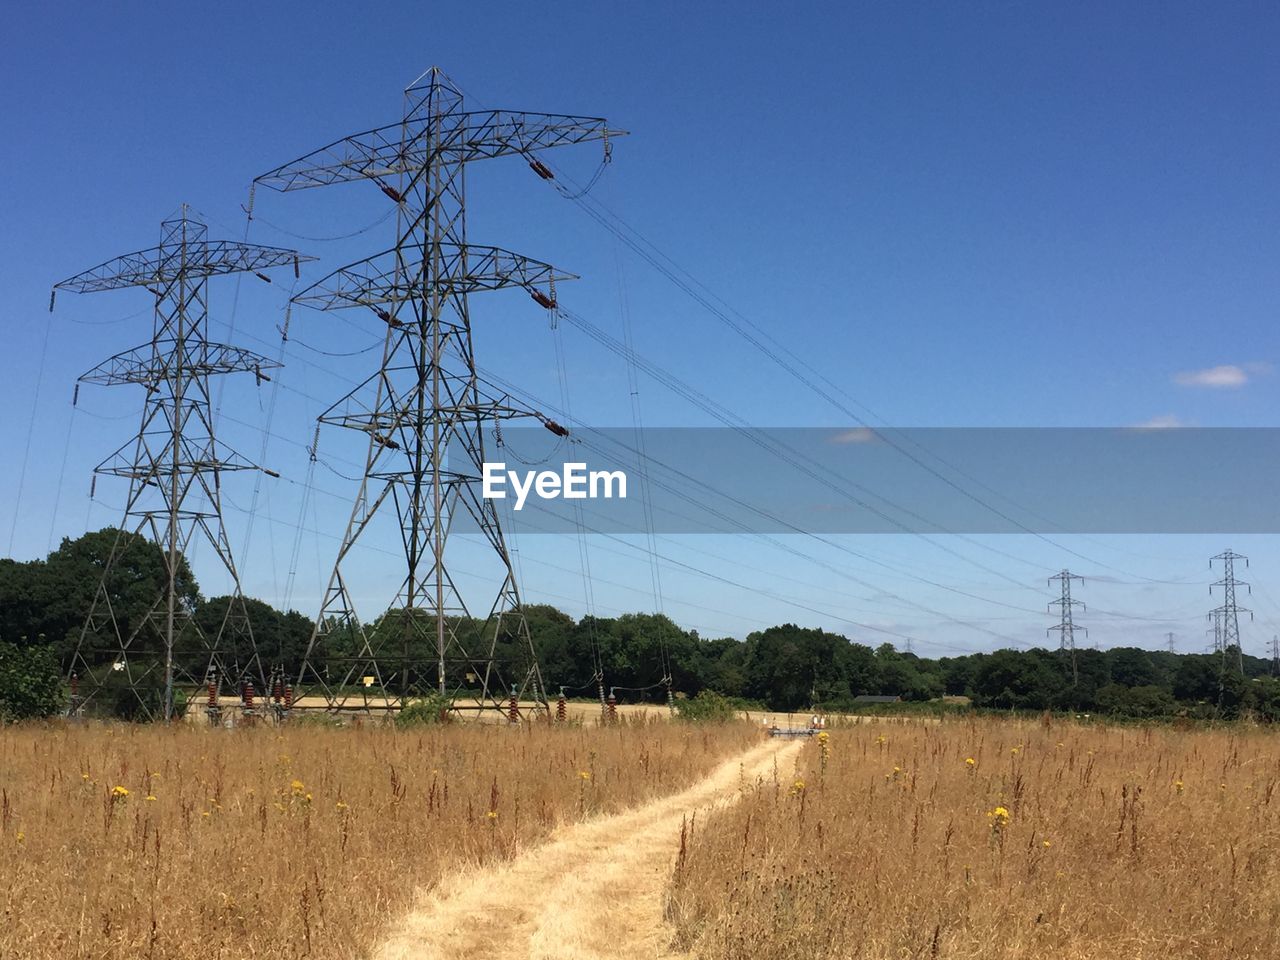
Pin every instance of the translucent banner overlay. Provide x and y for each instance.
(914, 480)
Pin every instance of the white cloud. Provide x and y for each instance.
(1224, 376)
(857, 435)
(1165, 421)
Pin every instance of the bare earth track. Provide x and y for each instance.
(594, 890)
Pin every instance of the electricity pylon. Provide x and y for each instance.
(1066, 626)
(1215, 617)
(425, 410)
(1229, 612)
(174, 466)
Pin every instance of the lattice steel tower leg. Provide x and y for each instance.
(425, 410)
(1066, 627)
(1229, 612)
(174, 466)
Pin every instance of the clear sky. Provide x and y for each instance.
(965, 214)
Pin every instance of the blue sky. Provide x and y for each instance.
(963, 214)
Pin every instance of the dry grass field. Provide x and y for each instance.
(996, 840)
(142, 842)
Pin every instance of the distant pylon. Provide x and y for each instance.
(1229, 611)
(1066, 626)
(426, 411)
(1170, 638)
(174, 466)
(1275, 656)
(1215, 617)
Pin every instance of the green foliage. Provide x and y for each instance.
(30, 682)
(425, 712)
(707, 707)
(50, 598)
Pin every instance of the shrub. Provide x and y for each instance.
(429, 710)
(30, 682)
(707, 707)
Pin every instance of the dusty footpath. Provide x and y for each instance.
(593, 890)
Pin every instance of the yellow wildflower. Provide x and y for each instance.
(492, 814)
(341, 805)
(150, 798)
(1177, 786)
(119, 794)
(584, 774)
(970, 762)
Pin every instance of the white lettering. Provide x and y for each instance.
(522, 490)
(573, 482)
(609, 478)
(494, 477)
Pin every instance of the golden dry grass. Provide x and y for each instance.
(299, 842)
(1059, 841)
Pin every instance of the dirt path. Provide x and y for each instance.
(594, 890)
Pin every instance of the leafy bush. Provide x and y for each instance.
(707, 707)
(30, 682)
(429, 710)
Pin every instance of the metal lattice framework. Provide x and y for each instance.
(1066, 627)
(1226, 618)
(425, 409)
(174, 465)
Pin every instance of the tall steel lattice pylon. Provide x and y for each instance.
(425, 410)
(174, 466)
(1066, 627)
(1227, 616)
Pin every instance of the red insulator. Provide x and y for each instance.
(261, 276)
(555, 428)
(288, 696)
(612, 704)
(391, 192)
(387, 318)
(513, 708)
(277, 690)
(248, 695)
(541, 169)
(542, 299)
(562, 709)
(212, 702)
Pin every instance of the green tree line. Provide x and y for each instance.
(787, 667)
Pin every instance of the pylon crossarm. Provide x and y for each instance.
(159, 265)
(147, 366)
(407, 147)
(383, 279)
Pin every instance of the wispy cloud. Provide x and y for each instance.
(1165, 421)
(1225, 376)
(857, 435)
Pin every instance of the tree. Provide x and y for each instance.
(280, 638)
(1011, 679)
(1140, 702)
(1132, 667)
(789, 666)
(30, 682)
(1197, 677)
(53, 596)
